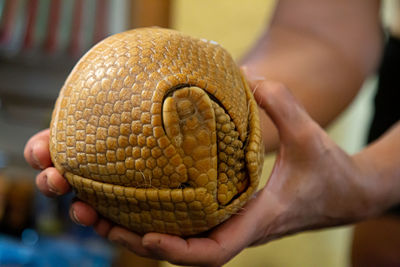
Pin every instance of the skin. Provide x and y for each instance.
(320, 51)
(299, 195)
(314, 183)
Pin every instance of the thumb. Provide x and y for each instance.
(277, 101)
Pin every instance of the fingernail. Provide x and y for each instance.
(74, 217)
(51, 186)
(153, 244)
(251, 76)
(256, 77)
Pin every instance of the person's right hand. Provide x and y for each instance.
(52, 184)
(49, 181)
(313, 184)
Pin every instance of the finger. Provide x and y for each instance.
(223, 243)
(51, 183)
(83, 214)
(102, 227)
(36, 150)
(285, 111)
(250, 75)
(193, 251)
(281, 106)
(129, 240)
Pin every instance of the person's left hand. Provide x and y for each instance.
(313, 184)
(222, 244)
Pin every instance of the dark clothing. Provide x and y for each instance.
(387, 99)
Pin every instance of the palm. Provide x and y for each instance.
(313, 184)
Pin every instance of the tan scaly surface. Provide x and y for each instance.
(158, 131)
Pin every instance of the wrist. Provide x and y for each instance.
(378, 188)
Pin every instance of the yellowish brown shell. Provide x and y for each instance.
(158, 131)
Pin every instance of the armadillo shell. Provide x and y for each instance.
(159, 132)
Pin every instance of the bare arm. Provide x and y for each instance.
(321, 50)
(381, 161)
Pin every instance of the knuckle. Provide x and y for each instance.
(310, 135)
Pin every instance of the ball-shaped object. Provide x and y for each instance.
(158, 131)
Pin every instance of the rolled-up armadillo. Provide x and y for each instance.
(159, 132)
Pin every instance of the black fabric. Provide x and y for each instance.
(387, 98)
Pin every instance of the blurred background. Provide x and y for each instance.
(40, 41)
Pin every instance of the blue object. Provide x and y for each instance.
(34, 250)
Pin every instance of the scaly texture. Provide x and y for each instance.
(158, 131)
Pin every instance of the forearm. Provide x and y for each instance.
(318, 75)
(320, 60)
(380, 164)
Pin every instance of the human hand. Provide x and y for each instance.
(313, 184)
(50, 182)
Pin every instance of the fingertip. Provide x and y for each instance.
(74, 217)
(102, 227)
(129, 240)
(267, 93)
(36, 151)
(28, 153)
(281, 106)
(41, 154)
(41, 184)
(250, 75)
(83, 214)
(191, 251)
(162, 246)
(152, 241)
(56, 182)
(166, 246)
(51, 183)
